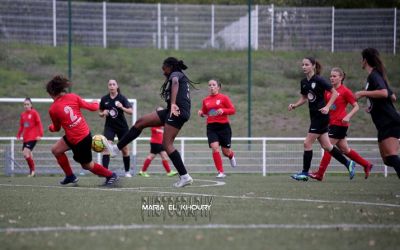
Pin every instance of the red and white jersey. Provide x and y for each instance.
(338, 109)
(214, 102)
(30, 125)
(66, 112)
(157, 135)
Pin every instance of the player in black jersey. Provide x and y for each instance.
(112, 107)
(312, 88)
(380, 105)
(175, 91)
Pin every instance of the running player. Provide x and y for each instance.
(175, 91)
(65, 112)
(216, 107)
(339, 123)
(156, 147)
(380, 106)
(112, 107)
(30, 126)
(312, 88)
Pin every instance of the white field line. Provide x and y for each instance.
(72, 228)
(142, 190)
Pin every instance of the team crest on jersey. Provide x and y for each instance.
(218, 102)
(313, 85)
(311, 96)
(113, 112)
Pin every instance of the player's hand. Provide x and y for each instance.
(358, 95)
(38, 138)
(175, 110)
(118, 104)
(346, 119)
(51, 128)
(324, 110)
(18, 137)
(219, 112)
(200, 113)
(291, 107)
(106, 112)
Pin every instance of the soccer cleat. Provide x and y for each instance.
(112, 149)
(69, 179)
(111, 180)
(128, 175)
(316, 176)
(367, 170)
(183, 181)
(220, 175)
(172, 173)
(302, 176)
(351, 166)
(233, 161)
(144, 174)
(32, 174)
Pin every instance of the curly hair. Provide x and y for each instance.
(57, 85)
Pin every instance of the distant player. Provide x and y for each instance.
(312, 88)
(380, 105)
(30, 126)
(156, 147)
(217, 107)
(112, 107)
(339, 123)
(175, 92)
(65, 112)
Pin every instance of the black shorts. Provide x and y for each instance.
(319, 124)
(83, 150)
(110, 133)
(219, 132)
(156, 148)
(174, 121)
(29, 145)
(389, 131)
(337, 132)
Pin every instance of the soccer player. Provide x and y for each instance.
(339, 123)
(175, 91)
(217, 107)
(30, 126)
(112, 107)
(156, 147)
(65, 112)
(380, 105)
(312, 88)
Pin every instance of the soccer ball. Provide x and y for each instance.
(97, 143)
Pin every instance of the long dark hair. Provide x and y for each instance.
(371, 55)
(57, 85)
(176, 66)
(318, 66)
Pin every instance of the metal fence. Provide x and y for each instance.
(173, 26)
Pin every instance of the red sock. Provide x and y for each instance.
(357, 158)
(231, 154)
(323, 165)
(31, 163)
(100, 170)
(218, 161)
(166, 166)
(146, 165)
(62, 160)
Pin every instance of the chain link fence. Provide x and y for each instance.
(173, 26)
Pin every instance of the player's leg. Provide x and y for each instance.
(307, 157)
(164, 159)
(27, 152)
(225, 140)
(323, 165)
(109, 134)
(146, 164)
(353, 155)
(389, 148)
(217, 159)
(58, 150)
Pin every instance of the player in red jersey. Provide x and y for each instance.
(30, 126)
(339, 123)
(65, 112)
(216, 107)
(156, 147)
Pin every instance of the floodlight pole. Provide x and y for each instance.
(249, 76)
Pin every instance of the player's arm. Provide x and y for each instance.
(379, 93)
(354, 110)
(125, 107)
(174, 92)
(92, 106)
(55, 126)
(203, 111)
(229, 108)
(334, 95)
(40, 125)
(299, 102)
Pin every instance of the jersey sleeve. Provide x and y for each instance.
(377, 81)
(125, 102)
(55, 121)
(229, 108)
(39, 124)
(175, 74)
(102, 104)
(325, 84)
(21, 126)
(303, 90)
(92, 106)
(349, 97)
(203, 107)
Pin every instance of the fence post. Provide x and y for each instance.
(264, 158)
(256, 28)
(176, 33)
(165, 33)
(12, 155)
(104, 25)
(159, 25)
(54, 24)
(212, 26)
(333, 30)
(394, 31)
(272, 26)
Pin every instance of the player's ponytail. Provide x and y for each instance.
(371, 55)
(316, 64)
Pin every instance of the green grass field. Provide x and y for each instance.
(247, 212)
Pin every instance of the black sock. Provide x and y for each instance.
(127, 162)
(339, 156)
(106, 161)
(307, 157)
(178, 163)
(132, 134)
(394, 162)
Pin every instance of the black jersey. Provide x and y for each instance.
(116, 118)
(382, 110)
(314, 90)
(183, 95)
